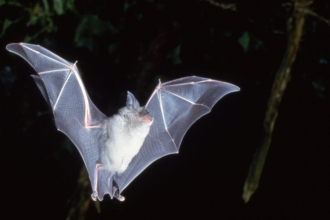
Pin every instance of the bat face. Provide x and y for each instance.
(117, 149)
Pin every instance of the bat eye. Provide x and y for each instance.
(143, 112)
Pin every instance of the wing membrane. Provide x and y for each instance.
(74, 113)
(174, 106)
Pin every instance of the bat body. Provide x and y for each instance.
(117, 149)
(125, 134)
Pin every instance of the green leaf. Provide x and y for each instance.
(69, 5)
(46, 6)
(27, 38)
(244, 41)
(58, 6)
(113, 47)
(6, 25)
(128, 5)
(38, 14)
(175, 55)
(319, 87)
(90, 28)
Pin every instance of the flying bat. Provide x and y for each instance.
(117, 149)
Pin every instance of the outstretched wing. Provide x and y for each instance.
(174, 106)
(60, 84)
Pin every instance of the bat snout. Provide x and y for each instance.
(147, 119)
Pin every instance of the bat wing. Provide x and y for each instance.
(60, 84)
(174, 106)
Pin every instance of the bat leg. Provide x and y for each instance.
(95, 193)
(114, 189)
(117, 194)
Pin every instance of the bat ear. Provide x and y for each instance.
(131, 101)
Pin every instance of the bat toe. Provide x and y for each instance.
(94, 196)
(121, 198)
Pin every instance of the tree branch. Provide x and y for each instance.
(295, 29)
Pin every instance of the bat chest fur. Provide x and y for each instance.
(124, 139)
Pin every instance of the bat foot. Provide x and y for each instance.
(116, 192)
(94, 196)
(121, 198)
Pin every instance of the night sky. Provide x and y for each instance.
(129, 45)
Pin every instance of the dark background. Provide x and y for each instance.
(127, 46)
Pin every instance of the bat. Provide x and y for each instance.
(117, 149)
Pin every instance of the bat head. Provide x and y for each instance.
(133, 104)
(134, 113)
